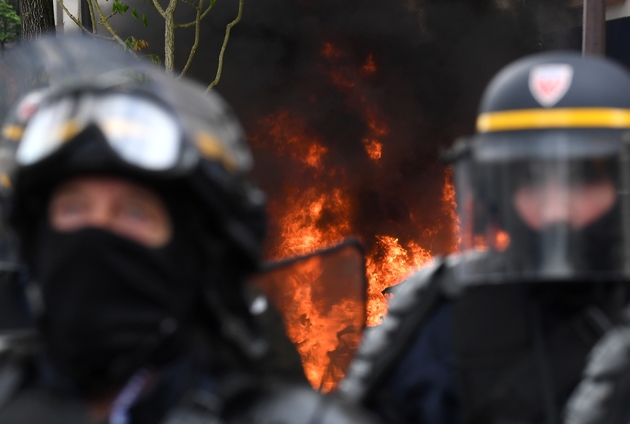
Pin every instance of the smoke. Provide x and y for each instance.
(432, 58)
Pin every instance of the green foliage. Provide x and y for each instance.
(119, 7)
(10, 27)
(134, 13)
(136, 44)
(155, 59)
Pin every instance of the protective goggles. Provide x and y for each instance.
(140, 131)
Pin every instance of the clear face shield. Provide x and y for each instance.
(541, 206)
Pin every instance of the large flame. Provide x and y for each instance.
(320, 295)
(319, 213)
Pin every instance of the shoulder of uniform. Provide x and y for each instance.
(18, 342)
(379, 343)
(408, 293)
(17, 348)
(608, 368)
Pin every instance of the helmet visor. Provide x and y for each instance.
(544, 206)
(138, 130)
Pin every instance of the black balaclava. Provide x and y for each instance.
(112, 305)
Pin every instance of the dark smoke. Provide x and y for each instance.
(433, 59)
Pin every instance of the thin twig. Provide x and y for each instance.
(223, 47)
(193, 49)
(74, 19)
(92, 18)
(109, 28)
(203, 15)
(159, 8)
(108, 17)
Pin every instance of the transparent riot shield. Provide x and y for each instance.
(322, 298)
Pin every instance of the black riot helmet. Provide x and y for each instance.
(79, 106)
(542, 186)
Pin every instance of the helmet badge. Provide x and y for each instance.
(549, 83)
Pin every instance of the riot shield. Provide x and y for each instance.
(322, 298)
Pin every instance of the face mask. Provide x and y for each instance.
(111, 304)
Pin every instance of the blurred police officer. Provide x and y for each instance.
(129, 195)
(500, 333)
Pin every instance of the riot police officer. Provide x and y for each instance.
(129, 194)
(500, 332)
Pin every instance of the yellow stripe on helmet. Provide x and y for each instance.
(13, 132)
(534, 119)
(211, 148)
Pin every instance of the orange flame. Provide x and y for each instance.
(330, 51)
(449, 205)
(373, 148)
(501, 241)
(321, 214)
(369, 67)
(387, 269)
(343, 78)
(299, 224)
(479, 243)
(325, 335)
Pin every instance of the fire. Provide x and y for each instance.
(373, 148)
(369, 67)
(343, 78)
(387, 268)
(479, 243)
(330, 51)
(301, 233)
(497, 238)
(325, 333)
(315, 207)
(319, 216)
(288, 133)
(449, 206)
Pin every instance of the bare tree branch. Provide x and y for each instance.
(92, 18)
(106, 18)
(159, 8)
(109, 28)
(169, 36)
(170, 26)
(223, 47)
(71, 16)
(193, 49)
(203, 15)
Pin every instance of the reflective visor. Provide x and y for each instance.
(141, 133)
(544, 206)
